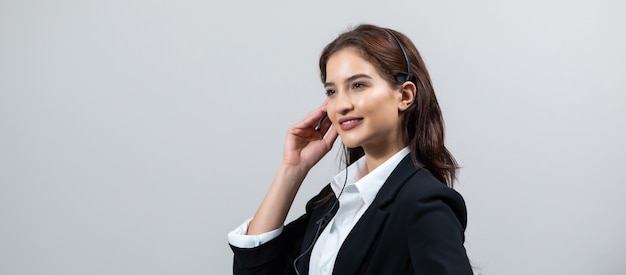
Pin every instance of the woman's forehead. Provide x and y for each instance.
(348, 62)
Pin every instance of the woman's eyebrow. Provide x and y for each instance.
(352, 78)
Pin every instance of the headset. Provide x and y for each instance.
(330, 213)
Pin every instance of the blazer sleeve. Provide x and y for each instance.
(438, 226)
(274, 257)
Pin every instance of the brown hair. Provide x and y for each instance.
(423, 127)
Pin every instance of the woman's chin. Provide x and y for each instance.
(350, 143)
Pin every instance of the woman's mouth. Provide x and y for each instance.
(349, 123)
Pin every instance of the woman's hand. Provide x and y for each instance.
(304, 146)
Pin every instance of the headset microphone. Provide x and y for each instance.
(319, 124)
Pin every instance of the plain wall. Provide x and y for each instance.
(135, 134)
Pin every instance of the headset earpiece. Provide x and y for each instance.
(401, 78)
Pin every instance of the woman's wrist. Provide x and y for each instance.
(292, 173)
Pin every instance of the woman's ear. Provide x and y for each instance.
(407, 95)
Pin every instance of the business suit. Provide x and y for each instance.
(415, 225)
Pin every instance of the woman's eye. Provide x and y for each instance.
(358, 85)
(330, 92)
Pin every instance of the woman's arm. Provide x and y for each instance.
(303, 148)
(436, 242)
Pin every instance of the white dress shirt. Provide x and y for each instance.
(359, 192)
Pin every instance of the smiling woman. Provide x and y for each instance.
(392, 210)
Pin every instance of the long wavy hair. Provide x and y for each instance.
(423, 126)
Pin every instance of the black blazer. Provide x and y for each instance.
(415, 225)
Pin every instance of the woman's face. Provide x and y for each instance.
(362, 106)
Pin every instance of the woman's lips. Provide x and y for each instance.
(349, 123)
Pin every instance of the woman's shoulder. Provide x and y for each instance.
(424, 183)
(420, 196)
(410, 183)
(422, 188)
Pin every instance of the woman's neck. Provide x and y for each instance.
(376, 157)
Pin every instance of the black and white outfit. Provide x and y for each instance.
(397, 219)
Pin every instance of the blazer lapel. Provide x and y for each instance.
(356, 247)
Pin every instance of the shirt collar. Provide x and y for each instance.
(368, 185)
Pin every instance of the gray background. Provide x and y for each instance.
(136, 134)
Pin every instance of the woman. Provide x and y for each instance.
(392, 211)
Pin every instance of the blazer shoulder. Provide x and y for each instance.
(424, 184)
(413, 182)
(423, 188)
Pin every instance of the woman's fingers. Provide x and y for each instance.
(311, 119)
(330, 137)
(305, 144)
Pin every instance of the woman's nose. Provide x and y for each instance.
(343, 103)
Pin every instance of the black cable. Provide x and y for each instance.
(326, 218)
